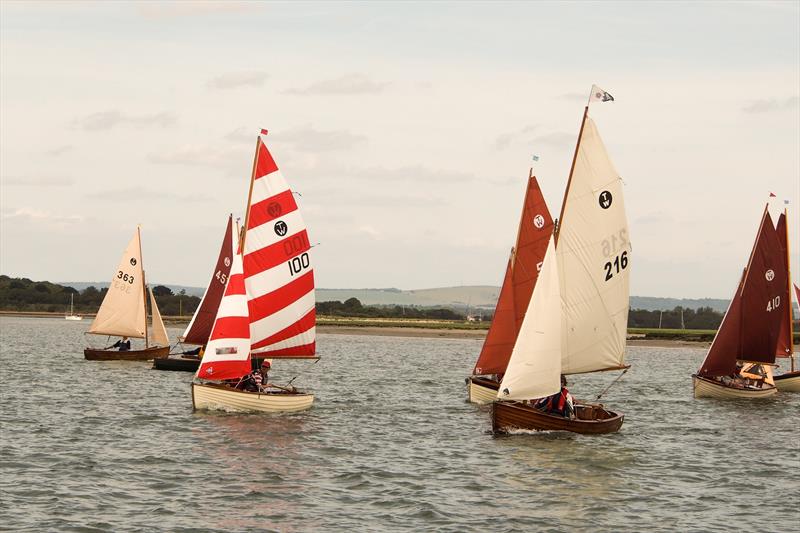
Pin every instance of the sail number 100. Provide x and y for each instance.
(620, 263)
(297, 264)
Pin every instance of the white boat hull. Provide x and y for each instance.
(707, 388)
(73, 317)
(480, 394)
(788, 383)
(216, 397)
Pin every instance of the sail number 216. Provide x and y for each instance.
(619, 264)
(774, 303)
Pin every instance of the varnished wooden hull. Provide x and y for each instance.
(177, 364)
(591, 419)
(482, 390)
(709, 388)
(214, 396)
(788, 382)
(130, 355)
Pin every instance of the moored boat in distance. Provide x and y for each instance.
(123, 312)
(267, 310)
(522, 271)
(71, 315)
(739, 362)
(576, 321)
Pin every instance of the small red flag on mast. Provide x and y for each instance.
(264, 132)
(771, 195)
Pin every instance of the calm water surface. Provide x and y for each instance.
(390, 445)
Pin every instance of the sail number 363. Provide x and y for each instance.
(619, 264)
(774, 303)
(125, 277)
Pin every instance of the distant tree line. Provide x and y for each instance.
(701, 318)
(22, 294)
(352, 307)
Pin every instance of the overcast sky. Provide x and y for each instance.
(408, 129)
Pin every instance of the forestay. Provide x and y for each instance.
(278, 274)
(535, 365)
(594, 253)
(227, 355)
(122, 312)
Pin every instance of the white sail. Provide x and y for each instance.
(122, 312)
(158, 335)
(594, 255)
(535, 366)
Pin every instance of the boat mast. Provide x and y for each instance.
(144, 285)
(249, 198)
(571, 170)
(789, 290)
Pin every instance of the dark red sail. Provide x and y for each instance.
(752, 324)
(535, 228)
(784, 347)
(199, 329)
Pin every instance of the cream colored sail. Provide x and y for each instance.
(122, 312)
(594, 255)
(535, 365)
(158, 335)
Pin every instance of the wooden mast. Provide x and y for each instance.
(249, 198)
(144, 286)
(789, 290)
(571, 170)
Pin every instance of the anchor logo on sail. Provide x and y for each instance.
(133, 261)
(770, 275)
(538, 221)
(605, 199)
(274, 209)
(281, 228)
(227, 261)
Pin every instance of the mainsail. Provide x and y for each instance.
(227, 354)
(784, 346)
(277, 266)
(158, 334)
(750, 328)
(535, 365)
(122, 312)
(535, 229)
(594, 253)
(199, 329)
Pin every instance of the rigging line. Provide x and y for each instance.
(611, 385)
(298, 375)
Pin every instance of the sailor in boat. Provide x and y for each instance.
(560, 403)
(196, 353)
(123, 344)
(750, 376)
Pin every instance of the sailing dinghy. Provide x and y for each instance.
(72, 315)
(123, 312)
(522, 271)
(577, 317)
(740, 359)
(199, 329)
(788, 381)
(267, 310)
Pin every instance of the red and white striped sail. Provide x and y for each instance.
(278, 275)
(227, 354)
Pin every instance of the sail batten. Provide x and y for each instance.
(122, 312)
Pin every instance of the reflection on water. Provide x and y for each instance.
(390, 444)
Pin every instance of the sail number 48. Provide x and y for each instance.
(620, 263)
(773, 303)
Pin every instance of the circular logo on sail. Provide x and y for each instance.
(770, 275)
(281, 228)
(133, 261)
(274, 209)
(538, 221)
(605, 199)
(227, 261)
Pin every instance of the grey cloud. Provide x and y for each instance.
(148, 194)
(48, 181)
(557, 138)
(234, 80)
(575, 97)
(59, 150)
(192, 8)
(31, 214)
(344, 85)
(308, 139)
(196, 155)
(771, 104)
(504, 140)
(106, 120)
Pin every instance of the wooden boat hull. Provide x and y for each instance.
(709, 388)
(591, 419)
(214, 396)
(131, 355)
(177, 364)
(482, 390)
(788, 382)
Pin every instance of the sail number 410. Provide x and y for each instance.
(773, 303)
(620, 263)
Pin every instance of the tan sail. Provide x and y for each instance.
(158, 335)
(593, 252)
(122, 312)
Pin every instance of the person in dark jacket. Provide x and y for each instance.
(124, 345)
